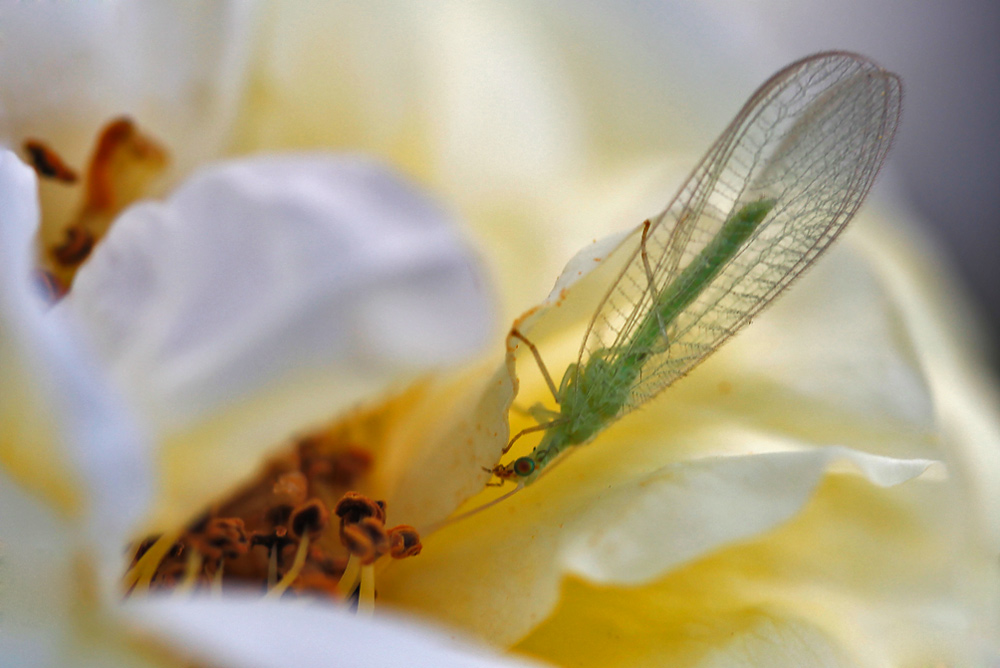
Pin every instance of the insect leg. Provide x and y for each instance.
(529, 430)
(491, 483)
(541, 365)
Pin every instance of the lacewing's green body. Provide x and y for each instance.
(593, 397)
(771, 194)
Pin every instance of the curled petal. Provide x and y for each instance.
(248, 632)
(63, 432)
(268, 295)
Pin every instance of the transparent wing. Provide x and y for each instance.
(812, 139)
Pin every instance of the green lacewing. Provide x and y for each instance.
(767, 199)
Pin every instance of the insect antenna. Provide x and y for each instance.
(469, 513)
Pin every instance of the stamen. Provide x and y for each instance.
(367, 539)
(293, 572)
(192, 569)
(350, 578)
(48, 163)
(284, 512)
(122, 169)
(138, 577)
(404, 541)
(366, 593)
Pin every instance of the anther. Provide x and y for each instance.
(354, 507)
(366, 539)
(224, 537)
(47, 162)
(310, 519)
(404, 541)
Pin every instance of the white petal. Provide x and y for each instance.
(249, 633)
(269, 294)
(60, 425)
(37, 576)
(836, 339)
(654, 523)
(179, 70)
(605, 516)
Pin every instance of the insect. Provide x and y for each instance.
(767, 199)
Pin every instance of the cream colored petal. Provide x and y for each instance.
(864, 576)
(179, 70)
(949, 337)
(248, 633)
(437, 444)
(269, 295)
(613, 519)
(63, 434)
(655, 522)
(51, 614)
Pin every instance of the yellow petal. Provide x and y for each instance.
(865, 576)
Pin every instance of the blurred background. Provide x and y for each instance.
(947, 157)
(496, 105)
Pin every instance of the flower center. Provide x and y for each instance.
(124, 164)
(275, 535)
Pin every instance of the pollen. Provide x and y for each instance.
(300, 529)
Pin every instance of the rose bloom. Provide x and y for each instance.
(357, 204)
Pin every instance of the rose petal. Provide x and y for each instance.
(653, 523)
(241, 631)
(621, 526)
(37, 576)
(179, 71)
(62, 432)
(864, 574)
(270, 294)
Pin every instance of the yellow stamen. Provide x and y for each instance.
(293, 572)
(192, 568)
(139, 576)
(366, 594)
(349, 580)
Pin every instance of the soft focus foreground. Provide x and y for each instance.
(713, 528)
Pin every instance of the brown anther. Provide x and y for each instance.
(227, 535)
(277, 538)
(310, 518)
(366, 539)
(218, 538)
(47, 162)
(354, 507)
(404, 541)
(290, 489)
(75, 248)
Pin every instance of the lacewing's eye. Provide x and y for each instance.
(524, 466)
